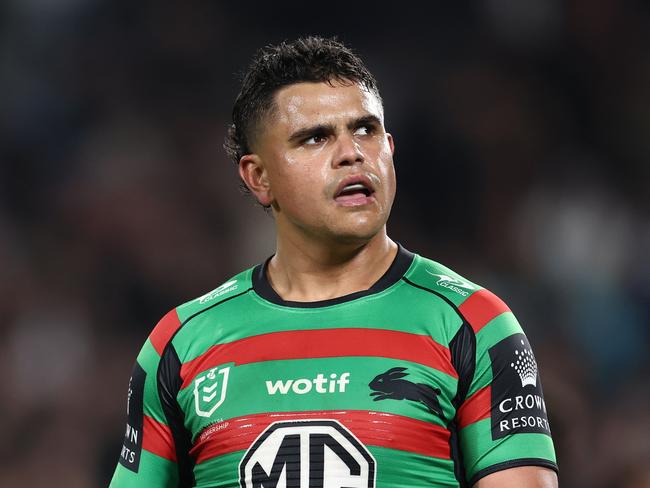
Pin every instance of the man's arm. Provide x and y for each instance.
(148, 454)
(503, 427)
(523, 477)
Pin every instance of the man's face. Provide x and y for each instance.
(327, 162)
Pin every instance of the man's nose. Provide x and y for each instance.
(348, 151)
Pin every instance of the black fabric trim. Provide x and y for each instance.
(463, 358)
(514, 463)
(457, 454)
(398, 267)
(169, 383)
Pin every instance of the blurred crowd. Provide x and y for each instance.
(522, 152)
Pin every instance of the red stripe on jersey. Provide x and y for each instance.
(163, 332)
(371, 428)
(329, 343)
(475, 408)
(157, 439)
(481, 307)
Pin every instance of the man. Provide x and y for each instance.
(343, 360)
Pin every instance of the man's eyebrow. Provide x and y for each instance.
(306, 132)
(364, 120)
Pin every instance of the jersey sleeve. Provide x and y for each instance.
(502, 422)
(148, 454)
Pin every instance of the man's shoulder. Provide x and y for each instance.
(476, 304)
(441, 280)
(177, 317)
(234, 286)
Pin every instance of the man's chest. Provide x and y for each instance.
(338, 421)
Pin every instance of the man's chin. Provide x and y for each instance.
(355, 234)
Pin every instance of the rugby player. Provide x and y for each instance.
(344, 360)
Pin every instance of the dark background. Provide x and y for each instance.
(523, 143)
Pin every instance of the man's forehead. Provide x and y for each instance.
(327, 100)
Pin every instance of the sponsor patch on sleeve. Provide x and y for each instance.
(517, 404)
(132, 447)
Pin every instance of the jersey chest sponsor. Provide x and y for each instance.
(307, 454)
(321, 383)
(210, 388)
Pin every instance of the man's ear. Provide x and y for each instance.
(254, 175)
(391, 142)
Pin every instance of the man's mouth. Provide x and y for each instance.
(355, 191)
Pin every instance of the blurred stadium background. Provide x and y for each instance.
(523, 149)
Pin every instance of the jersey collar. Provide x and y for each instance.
(398, 267)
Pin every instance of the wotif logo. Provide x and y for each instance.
(221, 290)
(301, 386)
(453, 284)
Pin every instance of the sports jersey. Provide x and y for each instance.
(425, 379)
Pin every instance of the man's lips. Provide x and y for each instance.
(355, 184)
(355, 190)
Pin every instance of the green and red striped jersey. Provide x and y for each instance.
(425, 379)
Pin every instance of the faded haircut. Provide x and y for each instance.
(310, 59)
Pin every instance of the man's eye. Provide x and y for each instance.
(364, 130)
(314, 140)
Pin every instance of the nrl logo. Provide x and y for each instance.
(210, 391)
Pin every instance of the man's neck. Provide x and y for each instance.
(321, 271)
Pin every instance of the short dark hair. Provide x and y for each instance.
(309, 59)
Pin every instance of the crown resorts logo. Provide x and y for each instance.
(517, 398)
(525, 366)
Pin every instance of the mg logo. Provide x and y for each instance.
(210, 391)
(307, 454)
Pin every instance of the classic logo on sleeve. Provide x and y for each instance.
(132, 447)
(307, 453)
(454, 284)
(210, 390)
(517, 398)
(217, 292)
